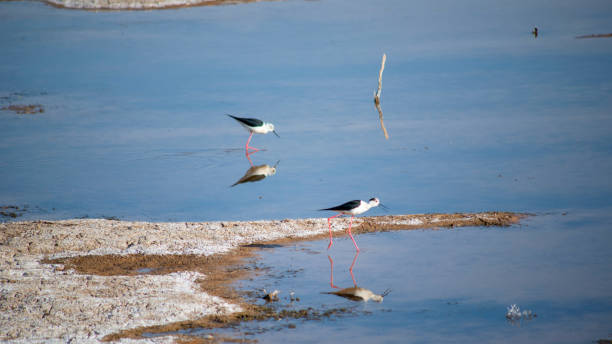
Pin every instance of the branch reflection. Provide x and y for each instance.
(380, 116)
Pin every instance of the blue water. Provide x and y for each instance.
(447, 286)
(481, 115)
(450, 286)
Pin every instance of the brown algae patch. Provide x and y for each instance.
(11, 211)
(435, 221)
(251, 313)
(220, 272)
(91, 279)
(31, 109)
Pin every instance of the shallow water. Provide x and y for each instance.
(449, 285)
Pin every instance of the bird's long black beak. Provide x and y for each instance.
(383, 206)
(274, 131)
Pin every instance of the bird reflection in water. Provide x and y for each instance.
(257, 173)
(354, 293)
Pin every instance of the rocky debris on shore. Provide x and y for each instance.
(31, 109)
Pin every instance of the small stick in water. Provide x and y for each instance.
(382, 67)
(377, 96)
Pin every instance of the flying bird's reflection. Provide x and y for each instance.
(354, 293)
(257, 173)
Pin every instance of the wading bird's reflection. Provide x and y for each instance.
(257, 173)
(354, 293)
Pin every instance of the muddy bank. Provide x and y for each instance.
(31, 109)
(88, 280)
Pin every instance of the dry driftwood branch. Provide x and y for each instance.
(382, 67)
(377, 96)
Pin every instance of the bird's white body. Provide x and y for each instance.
(254, 126)
(352, 208)
(362, 208)
(264, 129)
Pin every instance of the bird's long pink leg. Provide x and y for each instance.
(351, 268)
(249, 159)
(330, 232)
(248, 147)
(349, 231)
(331, 278)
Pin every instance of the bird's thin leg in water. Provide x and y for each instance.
(351, 268)
(249, 147)
(330, 232)
(249, 158)
(349, 232)
(331, 278)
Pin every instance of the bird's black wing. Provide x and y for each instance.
(250, 179)
(346, 206)
(348, 296)
(251, 122)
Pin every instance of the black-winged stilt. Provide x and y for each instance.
(352, 208)
(254, 125)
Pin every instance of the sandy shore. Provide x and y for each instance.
(82, 280)
(140, 4)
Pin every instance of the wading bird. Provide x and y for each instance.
(254, 125)
(352, 208)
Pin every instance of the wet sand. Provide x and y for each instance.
(93, 280)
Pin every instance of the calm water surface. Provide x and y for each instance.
(481, 116)
(453, 286)
(447, 286)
